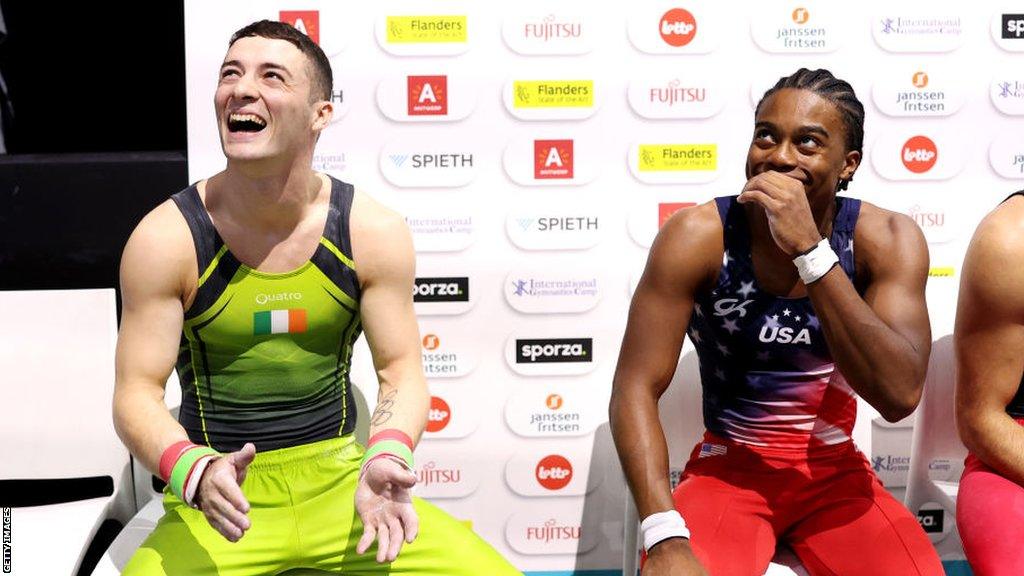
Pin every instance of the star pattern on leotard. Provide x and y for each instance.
(697, 310)
(746, 289)
(723, 349)
(812, 321)
(695, 336)
(731, 326)
(719, 373)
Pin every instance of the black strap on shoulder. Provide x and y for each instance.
(204, 235)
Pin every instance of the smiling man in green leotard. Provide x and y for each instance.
(255, 284)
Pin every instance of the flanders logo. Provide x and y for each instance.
(941, 272)
(426, 29)
(678, 157)
(553, 93)
(279, 322)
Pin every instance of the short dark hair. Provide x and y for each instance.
(320, 67)
(839, 92)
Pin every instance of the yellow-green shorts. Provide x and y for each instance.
(303, 521)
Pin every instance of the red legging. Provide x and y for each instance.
(829, 507)
(990, 518)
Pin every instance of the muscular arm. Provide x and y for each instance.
(989, 341)
(880, 342)
(152, 282)
(681, 259)
(385, 263)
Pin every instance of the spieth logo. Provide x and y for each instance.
(551, 531)
(559, 224)
(531, 351)
(430, 474)
(801, 16)
(428, 95)
(920, 79)
(455, 289)
(439, 415)
(667, 209)
(552, 159)
(919, 154)
(550, 28)
(678, 27)
(432, 161)
(1013, 26)
(554, 472)
(305, 21)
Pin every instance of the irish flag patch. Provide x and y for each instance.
(279, 322)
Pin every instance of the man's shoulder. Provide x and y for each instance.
(1001, 232)
(162, 239)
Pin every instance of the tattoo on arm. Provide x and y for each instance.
(383, 411)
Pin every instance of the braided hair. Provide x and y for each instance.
(839, 92)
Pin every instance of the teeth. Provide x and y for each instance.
(247, 118)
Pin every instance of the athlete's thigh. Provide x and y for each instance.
(183, 543)
(862, 530)
(990, 518)
(729, 528)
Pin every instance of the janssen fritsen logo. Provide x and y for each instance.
(553, 531)
(553, 472)
(919, 154)
(305, 21)
(920, 100)
(446, 289)
(549, 350)
(552, 159)
(555, 420)
(800, 36)
(438, 363)
(677, 27)
(428, 95)
(439, 415)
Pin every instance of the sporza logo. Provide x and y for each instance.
(1013, 26)
(454, 289)
(548, 350)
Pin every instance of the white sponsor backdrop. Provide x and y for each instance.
(544, 143)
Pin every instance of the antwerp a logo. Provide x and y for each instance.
(305, 21)
(428, 95)
(552, 159)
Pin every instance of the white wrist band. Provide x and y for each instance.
(194, 478)
(816, 263)
(662, 526)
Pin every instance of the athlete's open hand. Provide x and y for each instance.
(384, 503)
(220, 496)
(789, 216)
(672, 557)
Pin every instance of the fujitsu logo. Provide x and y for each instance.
(552, 159)
(430, 474)
(678, 27)
(551, 531)
(676, 93)
(927, 219)
(428, 95)
(554, 472)
(305, 21)
(919, 154)
(550, 28)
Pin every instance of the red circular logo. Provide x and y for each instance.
(554, 472)
(439, 416)
(431, 342)
(678, 27)
(919, 154)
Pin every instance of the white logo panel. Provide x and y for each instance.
(655, 162)
(444, 473)
(553, 290)
(428, 163)
(552, 160)
(553, 353)
(691, 95)
(417, 32)
(917, 30)
(552, 98)
(1006, 154)
(426, 98)
(1008, 28)
(562, 471)
(555, 33)
(557, 529)
(541, 412)
(918, 155)
(556, 228)
(918, 92)
(446, 353)
(805, 28)
(675, 28)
